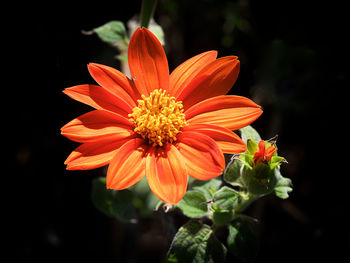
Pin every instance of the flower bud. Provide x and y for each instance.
(258, 169)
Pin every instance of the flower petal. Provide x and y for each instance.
(98, 98)
(97, 125)
(94, 154)
(147, 61)
(231, 112)
(128, 165)
(203, 157)
(166, 173)
(228, 141)
(217, 78)
(116, 83)
(188, 70)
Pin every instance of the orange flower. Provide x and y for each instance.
(164, 127)
(262, 154)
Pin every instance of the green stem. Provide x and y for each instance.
(245, 203)
(147, 11)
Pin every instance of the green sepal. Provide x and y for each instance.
(242, 241)
(246, 159)
(111, 202)
(276, 161)
(195, 242)
(193, 204)
(252, 146)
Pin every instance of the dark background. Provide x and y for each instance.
(292, 55)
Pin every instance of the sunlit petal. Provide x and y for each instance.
(147, 61)
(188, 70)
(97, 125)
(166, 173)
(231, 112)
(228, 141)
(128, 165)
(203, 157)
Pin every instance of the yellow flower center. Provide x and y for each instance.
(158, 118)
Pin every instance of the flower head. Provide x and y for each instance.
(167, 127)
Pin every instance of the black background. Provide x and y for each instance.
(293, 63)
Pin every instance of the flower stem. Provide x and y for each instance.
(147, 11)
(245, 203)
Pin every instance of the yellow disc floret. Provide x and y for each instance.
(158, 118)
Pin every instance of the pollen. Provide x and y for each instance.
(158, 118)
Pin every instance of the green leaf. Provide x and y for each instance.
(242, 241)
(193, 204)
(222, 217)
(112, 32)
(208, 188)
(226, 198)
(112, 203)
(249, 132)
(283, 186)
(195, 242)
(232, 172)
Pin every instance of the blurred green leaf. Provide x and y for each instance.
(193, 204)
(122, 57)
(157, 30)
(147, 201)
(249, 132)
(195, 242)
(112, 203)
(242, 241)
(113, 32)
(207, 188)
(226, 198)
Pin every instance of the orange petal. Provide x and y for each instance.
(231, 112)
(269, 152)
(147, 61)
(203, 157)
(98, 98)
(166, 173)
(116, 83)
(187, 71)
(97, 125)
(94, 154)
(228, 141)
(217, 78)
(128, 165)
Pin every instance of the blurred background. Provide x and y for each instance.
(292, 57)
